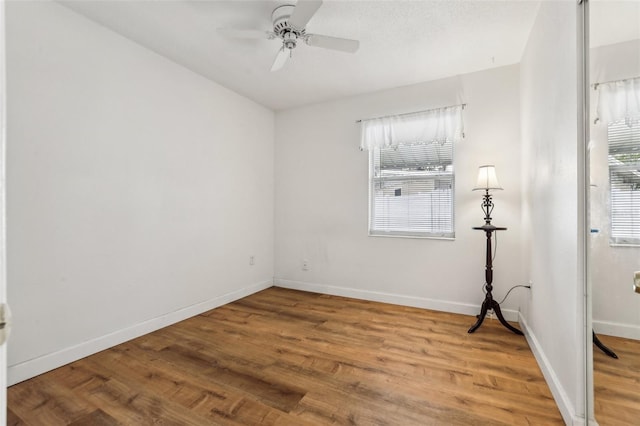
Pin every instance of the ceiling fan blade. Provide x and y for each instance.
(246, 34)
(303, 12)
(334, 43)
(281, 58)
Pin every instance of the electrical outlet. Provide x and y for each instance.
(305, 265)
(252, 260)
(490, 314)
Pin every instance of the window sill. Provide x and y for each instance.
(418, 237)
(637, 245)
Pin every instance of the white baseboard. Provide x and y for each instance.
(396, 299)
(25, 370)
(567, 410)
(618, 329)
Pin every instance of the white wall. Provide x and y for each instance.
(137, 190)
(616, 309)
(553, 216)
(322, 199)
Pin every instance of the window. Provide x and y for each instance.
(411, 180)
(412, 190)
(624, 180)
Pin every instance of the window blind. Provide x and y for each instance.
(624, 180)
(412, 190)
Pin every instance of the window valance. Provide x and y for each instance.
(618, 100)
(417, 128)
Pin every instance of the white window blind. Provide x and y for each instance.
(624, 180)
(412, 190)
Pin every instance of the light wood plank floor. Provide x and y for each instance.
(617, 382)
(284, 357)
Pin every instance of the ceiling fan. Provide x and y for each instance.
(289, 22)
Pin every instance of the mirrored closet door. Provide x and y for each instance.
(614, 259)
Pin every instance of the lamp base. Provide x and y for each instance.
(602, 347)
(489, 303)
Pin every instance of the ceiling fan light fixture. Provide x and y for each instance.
(289, 40)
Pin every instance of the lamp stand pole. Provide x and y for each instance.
(489, 302)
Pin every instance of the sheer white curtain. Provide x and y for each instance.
(618, 100)
(437, 125)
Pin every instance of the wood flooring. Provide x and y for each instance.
(284, 357)
(617, 382)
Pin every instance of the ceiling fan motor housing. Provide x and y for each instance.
(281, 27)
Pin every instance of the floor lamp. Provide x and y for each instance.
(487, 181)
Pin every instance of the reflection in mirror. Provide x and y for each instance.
(615, 209)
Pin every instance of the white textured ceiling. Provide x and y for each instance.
(401, 42)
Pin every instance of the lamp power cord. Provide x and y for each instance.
(507, 295)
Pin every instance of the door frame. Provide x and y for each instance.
(3, 251)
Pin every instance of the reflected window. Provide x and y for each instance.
(624, 180)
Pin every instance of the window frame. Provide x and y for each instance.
(449, 236)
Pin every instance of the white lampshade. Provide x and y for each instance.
(487, 178)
